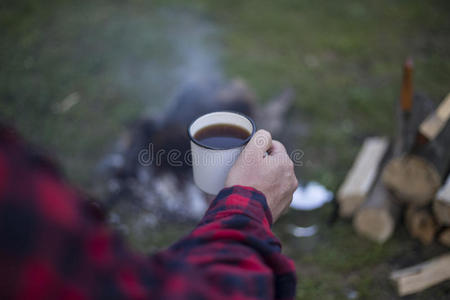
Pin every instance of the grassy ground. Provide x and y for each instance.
(342, 58)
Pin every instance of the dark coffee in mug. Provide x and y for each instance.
(222, 136)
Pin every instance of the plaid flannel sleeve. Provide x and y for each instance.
(235, 249)
(52, 247)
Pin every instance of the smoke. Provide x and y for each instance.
(195, 41)
(169, 52)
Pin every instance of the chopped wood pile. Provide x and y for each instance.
(405, 179)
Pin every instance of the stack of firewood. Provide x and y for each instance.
(408, 176)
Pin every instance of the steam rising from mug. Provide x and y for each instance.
(210, 164)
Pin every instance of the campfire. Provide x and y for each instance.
(141, 175)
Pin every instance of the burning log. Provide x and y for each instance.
(376, 218)
(421, 224)
(362, 175)
(441, 204)
(417, 278)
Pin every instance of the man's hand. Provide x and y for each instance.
(265, 165)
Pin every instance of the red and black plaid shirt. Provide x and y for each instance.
(51, 247)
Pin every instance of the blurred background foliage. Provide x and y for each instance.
(74, 73)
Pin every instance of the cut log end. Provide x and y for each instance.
(411, 179)
(376, 218)
(444, 237)
(421, 224)
(375, 224)
(442, 212)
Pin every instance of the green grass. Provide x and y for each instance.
(98, 50)
(343, 59)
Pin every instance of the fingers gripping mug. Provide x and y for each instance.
(217, 139)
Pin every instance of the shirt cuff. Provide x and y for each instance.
(241, 200)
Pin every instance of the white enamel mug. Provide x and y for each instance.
(211, 165)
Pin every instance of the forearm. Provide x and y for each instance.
(236, 250)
